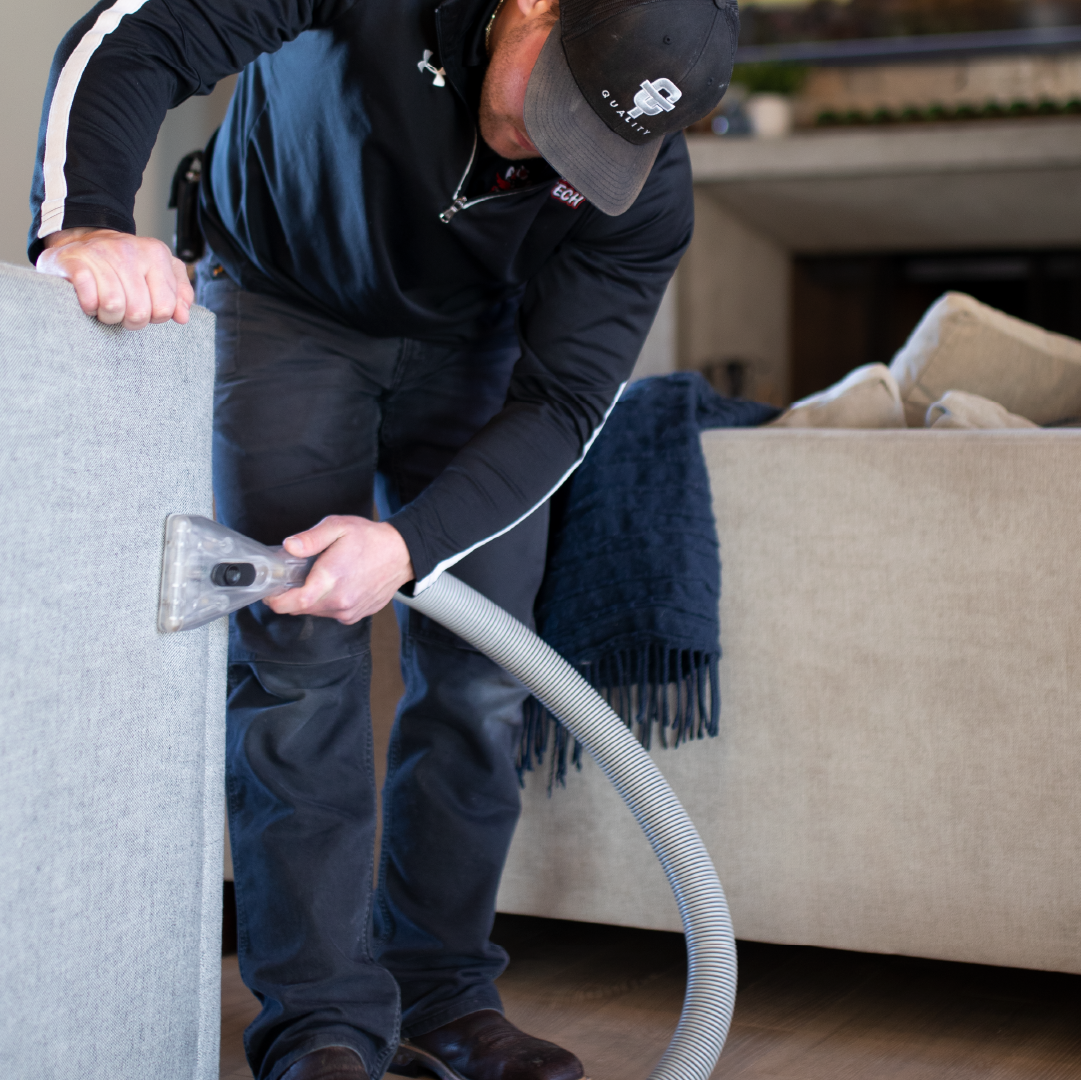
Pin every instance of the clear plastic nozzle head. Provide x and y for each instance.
(209, 571)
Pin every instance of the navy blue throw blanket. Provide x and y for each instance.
(633, 580)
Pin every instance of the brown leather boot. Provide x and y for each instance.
(484, 1046)
(329, 1063)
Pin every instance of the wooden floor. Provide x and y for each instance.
(613, 996)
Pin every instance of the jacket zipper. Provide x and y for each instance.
(460, 202)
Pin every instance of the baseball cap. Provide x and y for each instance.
(615, 77)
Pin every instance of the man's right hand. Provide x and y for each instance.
(120, 278)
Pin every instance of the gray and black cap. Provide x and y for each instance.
(615, 76)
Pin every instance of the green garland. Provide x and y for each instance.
(992, 110)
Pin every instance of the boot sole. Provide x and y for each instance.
(421, 1060)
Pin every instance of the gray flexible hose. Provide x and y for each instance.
(711, 947)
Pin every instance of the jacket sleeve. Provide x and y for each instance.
(115, 75)
(582, 324)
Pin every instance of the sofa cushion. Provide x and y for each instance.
(865, 398)
(960, 410)
(961, 344)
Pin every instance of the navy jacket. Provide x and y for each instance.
(349, 177)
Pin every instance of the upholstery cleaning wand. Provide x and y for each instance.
(210, 570)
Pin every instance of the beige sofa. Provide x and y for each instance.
(899, 765)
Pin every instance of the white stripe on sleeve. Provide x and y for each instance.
(56, 132)
(446, 564)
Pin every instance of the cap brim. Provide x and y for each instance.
(576, 142)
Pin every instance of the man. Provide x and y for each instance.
(438, 235)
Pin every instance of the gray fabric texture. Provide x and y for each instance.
(111, 735)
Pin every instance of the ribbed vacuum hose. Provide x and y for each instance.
(711, 947)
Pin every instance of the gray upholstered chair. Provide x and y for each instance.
(111, 734)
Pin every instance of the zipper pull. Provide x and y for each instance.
(453, 209)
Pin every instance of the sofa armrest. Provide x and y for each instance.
(111, 735)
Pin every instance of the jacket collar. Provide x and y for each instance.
(459, 26)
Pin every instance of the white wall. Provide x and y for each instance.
(31, 35)
(186, 128)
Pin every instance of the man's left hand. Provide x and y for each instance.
(362, 566)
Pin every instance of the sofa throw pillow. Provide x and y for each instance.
(961, 344)
(865, 398)
(957, 409)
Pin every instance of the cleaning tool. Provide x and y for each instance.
(199, 584)
(209, 571)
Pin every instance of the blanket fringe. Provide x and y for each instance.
(676, 692)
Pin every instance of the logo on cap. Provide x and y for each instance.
(655, 97)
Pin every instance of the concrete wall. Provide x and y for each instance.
(31, 34)
(733, 300)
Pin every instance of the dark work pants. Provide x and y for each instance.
(310, 418)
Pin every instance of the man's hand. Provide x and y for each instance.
(362, 566)
(119, 277)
